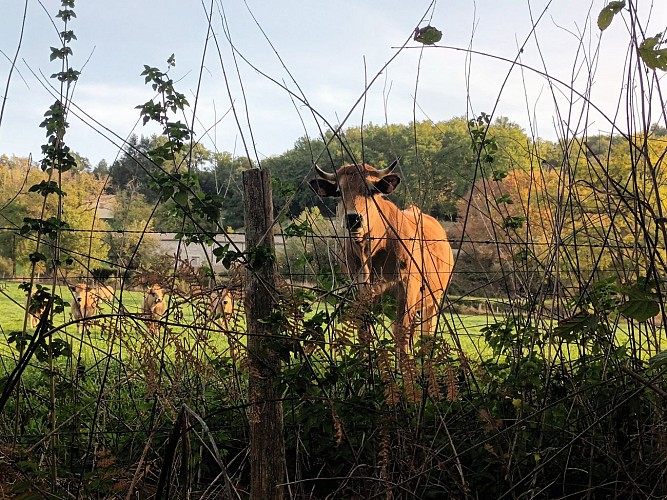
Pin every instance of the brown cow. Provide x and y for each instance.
(85, 303)
(105, 292)
(154, 305)
(405, 254)
(35, 310)
(221, 306)
(36, 316)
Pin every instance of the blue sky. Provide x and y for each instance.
(325, 51)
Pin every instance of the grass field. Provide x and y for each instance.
(185, 320)
(119, 326)
(187, 326)
(119, 389)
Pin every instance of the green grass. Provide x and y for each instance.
(123, 335)
(114, 334)
(127, 336)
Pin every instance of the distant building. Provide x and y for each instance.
(199, 255)
(104, 206)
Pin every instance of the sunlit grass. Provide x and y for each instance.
(120, 329)
(122, 333)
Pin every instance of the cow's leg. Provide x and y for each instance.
(76, 315)
(404, 327)
(357, 255)
(153, 327)
(85, 322)
(432, 312)
(420, 301)
(404, 330)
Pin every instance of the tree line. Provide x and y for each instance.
(491, 175)
(438, 164)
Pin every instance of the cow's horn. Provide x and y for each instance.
(325, 175)
(390, 168)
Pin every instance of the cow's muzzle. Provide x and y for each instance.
(353, 222)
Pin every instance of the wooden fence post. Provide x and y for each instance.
(267, 442)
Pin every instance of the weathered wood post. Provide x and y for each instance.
(267, 445)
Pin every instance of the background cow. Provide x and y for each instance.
(105, 293)
(84, 304)
(404, 253)
(34, 318)
(35, 310)
(154, 305)
(221, 306)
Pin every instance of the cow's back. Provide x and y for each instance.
(105, 292)
(427, 247)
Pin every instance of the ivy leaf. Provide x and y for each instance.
(513, 222)
(569, 329)
(607, 14)
(499, 175)
(220, 252)
(36, 257)
(428, 35)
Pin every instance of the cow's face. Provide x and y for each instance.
(154, 294)
(221, 303)
(81, 293)
(355, 185)
(226, 303)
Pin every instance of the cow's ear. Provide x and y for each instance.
(324, 188)
(388, 183)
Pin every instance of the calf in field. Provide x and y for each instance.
(35, 317)
(154, 305)
(85, 303)
(35, 306)
(221, 306)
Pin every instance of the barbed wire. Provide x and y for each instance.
(285, 237)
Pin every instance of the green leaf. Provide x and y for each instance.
(181, 197)
(499, 175)
(604, 18)
(608, 12)
(36, 257)
(506, 198)
(658, 360)
(220, 252)
(639, 309)
(428, 35)
(513, 222)
(570, 329)
(653, 57)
